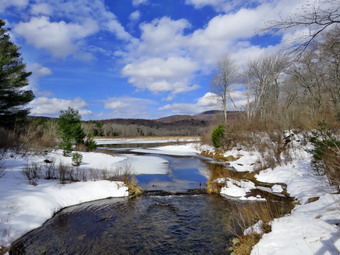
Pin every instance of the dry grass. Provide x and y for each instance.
(246, 244)
(218, 155)
(3, 250)
(246, 215)
(125, 174)
(331, 164)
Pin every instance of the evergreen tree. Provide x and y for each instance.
(70, 130)
(13, 77)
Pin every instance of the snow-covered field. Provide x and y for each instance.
(24, 207)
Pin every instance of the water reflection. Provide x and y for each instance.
(146, 225)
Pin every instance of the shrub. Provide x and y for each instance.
(326, 153)
(90, 144)
(32, 173)
(66, 145)
(217, 136)
(49, 170)
(77, 159)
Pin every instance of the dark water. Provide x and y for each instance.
(145, 225)
(151, 224)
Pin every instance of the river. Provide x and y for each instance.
(173, 216)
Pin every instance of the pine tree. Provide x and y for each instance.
(70, 130)
(13, 77)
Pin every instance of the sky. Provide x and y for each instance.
(139, 58)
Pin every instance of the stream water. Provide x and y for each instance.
(174, 216)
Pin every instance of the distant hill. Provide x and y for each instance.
(208, 116)
(175, 125)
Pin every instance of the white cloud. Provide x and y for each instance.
(62, 27)
(227, 33)
(128, 107)
(135, 16)
(159, 75)
(115, 27)
(38, 72)
(139, 2)
(4, 4)
(205, 103)
(41, 8)
(161, 37)
(209, 101)
(59, 38)
(44, 106)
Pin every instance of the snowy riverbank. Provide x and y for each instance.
(313, 227)
(24, 207)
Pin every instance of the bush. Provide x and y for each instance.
(77, 159)
(32, 172)
(326, 153)
(217, 136)
(90, 144)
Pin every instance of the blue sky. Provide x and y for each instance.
(138, 58)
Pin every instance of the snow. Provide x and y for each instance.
(145, 164)
(24, 207)
(277, 188)
(256, 228)
(312, 227)
(101, 141)
(238, 189)
(189, 150)
(245, 159)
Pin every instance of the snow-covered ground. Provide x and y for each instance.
(312, 227)
(102, 141)
(24, 207)
(238, 189)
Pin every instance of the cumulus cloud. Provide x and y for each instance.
(59, 38)
(128, 107)
(41, 8)
(159, 75)
(205, 103)
(44, 106)
(62, 27)
(209, 101)
(135, 16)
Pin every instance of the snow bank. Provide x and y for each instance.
(238, 189)
(245, 159)
(311, 228)
(24, 207)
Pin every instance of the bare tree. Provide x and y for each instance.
(317, 73)
(316, 16)
(224, 76)
(263, 76)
